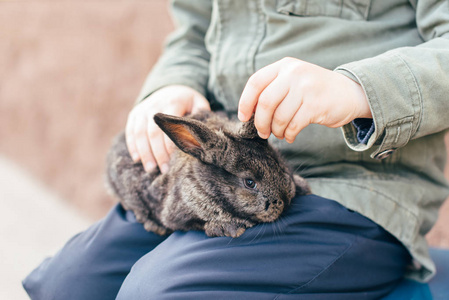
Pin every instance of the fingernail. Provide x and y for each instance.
(149, 166)
(164, 168)
(263, 135)
(241, 116)
(135, 157)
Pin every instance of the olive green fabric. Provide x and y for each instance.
(398, 51)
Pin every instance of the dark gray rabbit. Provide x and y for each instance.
(224, 180)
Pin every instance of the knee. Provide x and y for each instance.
(173, 270)
(52, 280)
(72, 278)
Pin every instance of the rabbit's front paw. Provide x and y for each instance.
(141, 216)
(224, 229)
(153, 227)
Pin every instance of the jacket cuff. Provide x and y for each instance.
(395, 103)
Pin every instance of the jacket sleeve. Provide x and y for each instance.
(185, 59)
(407, 88)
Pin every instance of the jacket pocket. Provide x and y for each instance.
(356, 10)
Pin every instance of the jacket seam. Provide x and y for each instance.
(219, 41)
(259, 35)
(418, 91)
(321, 272)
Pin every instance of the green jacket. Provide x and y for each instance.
(398, 50)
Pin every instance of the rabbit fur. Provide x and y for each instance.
(223, 179)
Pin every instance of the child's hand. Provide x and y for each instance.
(145, 140)
(290, 94)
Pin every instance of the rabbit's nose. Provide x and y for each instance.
(278, 203)
(267, 205)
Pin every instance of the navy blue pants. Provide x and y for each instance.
(317, 250)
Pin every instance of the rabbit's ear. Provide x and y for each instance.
(248, 130)
(191, 136)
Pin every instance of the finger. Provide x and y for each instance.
(148, 161)
(253, 88)
(284, 114)
(157, 143)
(130, 139)
(170, 147)
(200, 104)
(176, 110)
(298, 123)
(143, 146)
(269, 100)
(160, 144)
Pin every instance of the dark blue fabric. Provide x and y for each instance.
(365, 128)
(436, 289)
(411, 290)
(93, 264)
(439, 285)
(318, 249)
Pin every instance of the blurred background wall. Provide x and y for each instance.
(69, 73)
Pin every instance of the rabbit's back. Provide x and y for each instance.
(136, 189)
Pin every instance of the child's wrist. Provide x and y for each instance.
(364, 110)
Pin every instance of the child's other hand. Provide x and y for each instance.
(145, 140)
(290, 94)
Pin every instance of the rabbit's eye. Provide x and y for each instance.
(249, 183)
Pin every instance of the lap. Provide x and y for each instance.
(93, 264)
(317, 247)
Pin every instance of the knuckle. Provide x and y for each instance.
(288, 60)
(139, 131)
(297, 69)
(278, 134)
(170, 101)
(265, 102)
(289, 136)
(281, 122)
(292, 128)
(320, 119)
(308, 85)
(255, 81)
(153, 132)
